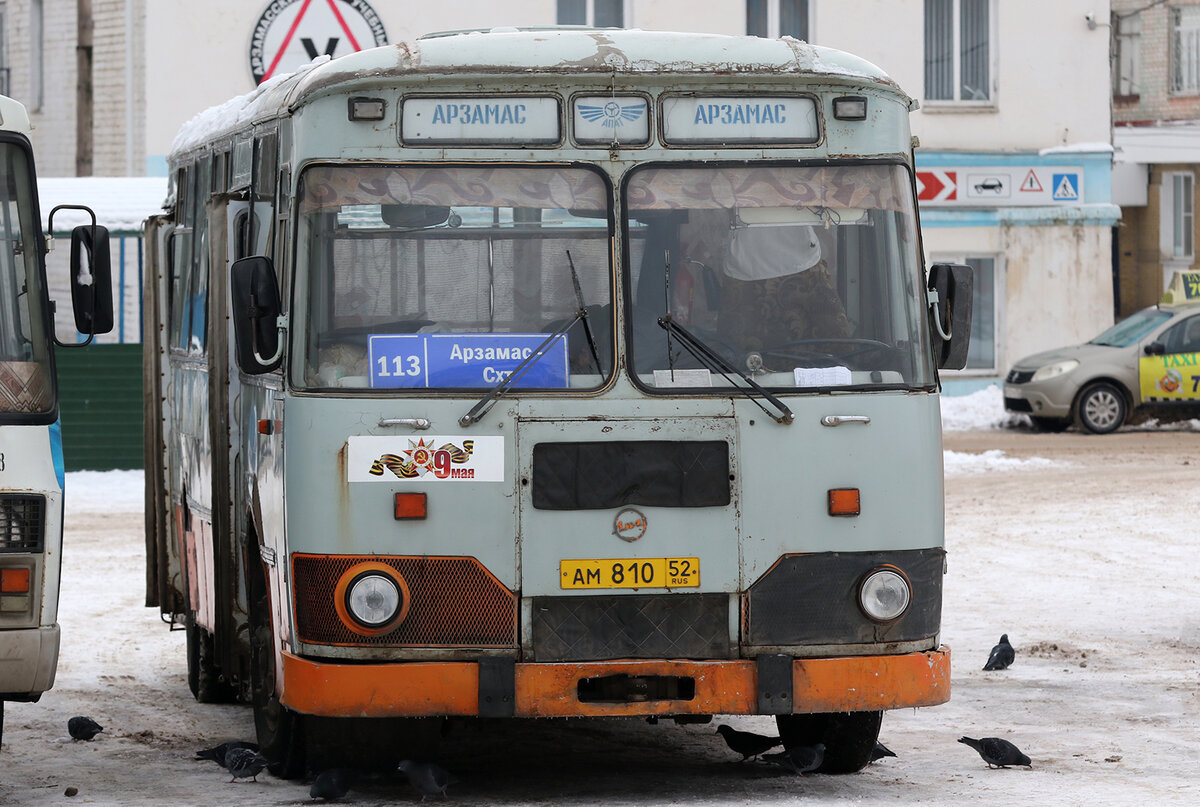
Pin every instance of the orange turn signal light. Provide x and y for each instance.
(844, 502)
(14, 581)
(410, 505)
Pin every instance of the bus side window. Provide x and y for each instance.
(180, 262)
(198, 296)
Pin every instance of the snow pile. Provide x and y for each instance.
(979, 410)
(958, 463)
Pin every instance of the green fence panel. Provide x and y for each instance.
(100, 404)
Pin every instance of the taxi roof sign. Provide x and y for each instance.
(1184, 287)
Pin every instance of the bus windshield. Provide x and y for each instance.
(797, 276)
(449, 277)
(27, 386)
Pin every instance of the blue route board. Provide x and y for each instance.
(464, 360)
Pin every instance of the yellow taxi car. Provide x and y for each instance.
(1147, 365)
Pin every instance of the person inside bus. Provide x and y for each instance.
(775, 287)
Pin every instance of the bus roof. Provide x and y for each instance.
(514, 51)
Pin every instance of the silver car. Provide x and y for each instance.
(1145, 366)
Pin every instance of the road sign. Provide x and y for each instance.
(291, 33)
(1000, 186)
(937, 186)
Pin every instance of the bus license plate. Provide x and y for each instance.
(630, 573)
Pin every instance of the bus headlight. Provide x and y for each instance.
(884, 594)
(372, 598)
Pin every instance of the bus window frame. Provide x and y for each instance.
(920, 353)
(37, 253)
(298, 347)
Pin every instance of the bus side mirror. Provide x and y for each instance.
(91, 280)
(254, 294)
(951, 287)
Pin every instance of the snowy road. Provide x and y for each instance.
(1082, 549)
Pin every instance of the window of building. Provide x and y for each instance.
(596, 13)
(1178, 217)
(776, 18)
(4, 66)
(1185, 49)
(983, 355)
(1127, 35)
(959, 55)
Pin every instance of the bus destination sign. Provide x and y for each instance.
(739, 119)
(500, 121)
(465, 360)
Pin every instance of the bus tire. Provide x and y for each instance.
(204, 677)
(849, 737)
(280, 731)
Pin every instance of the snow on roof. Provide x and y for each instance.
(120, 203)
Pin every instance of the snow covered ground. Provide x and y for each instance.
(1083, 549)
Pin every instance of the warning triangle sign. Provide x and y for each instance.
(1030, 183)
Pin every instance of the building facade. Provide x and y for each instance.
(1156, 116)
(1015, 119)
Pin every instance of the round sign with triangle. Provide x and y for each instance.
(291, 33)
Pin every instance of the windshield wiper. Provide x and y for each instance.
(486, 402)
(713, 361)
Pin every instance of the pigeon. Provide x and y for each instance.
(83, 728)
(799, 758)
(217, 753)
(427, 778)
(880, 751)
(1001, 656)
(997, 752)
(331, 784)
(243, 763)
(747, 744)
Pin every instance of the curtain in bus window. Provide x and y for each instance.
(850, 187)
(344, 185)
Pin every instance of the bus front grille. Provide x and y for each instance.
(455, 602)
(22, 522)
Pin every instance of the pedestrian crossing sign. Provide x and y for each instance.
(1066, 187)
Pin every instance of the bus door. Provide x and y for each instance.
(617, 514)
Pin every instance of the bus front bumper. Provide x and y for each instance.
(417, 689)
(28, 659)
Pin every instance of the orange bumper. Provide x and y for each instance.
(847, 684)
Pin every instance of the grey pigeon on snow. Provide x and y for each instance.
(331, 784)
(997, 752)
(746, 743)
(427, 778)
(1001, 656)
(799, 758)
(244, 763)
(217, 752)
(880, 751)
(83, 728)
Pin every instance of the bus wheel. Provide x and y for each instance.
(279, 729)
(849, 737)
(204, 678)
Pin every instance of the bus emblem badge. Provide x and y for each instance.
(630, 524)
